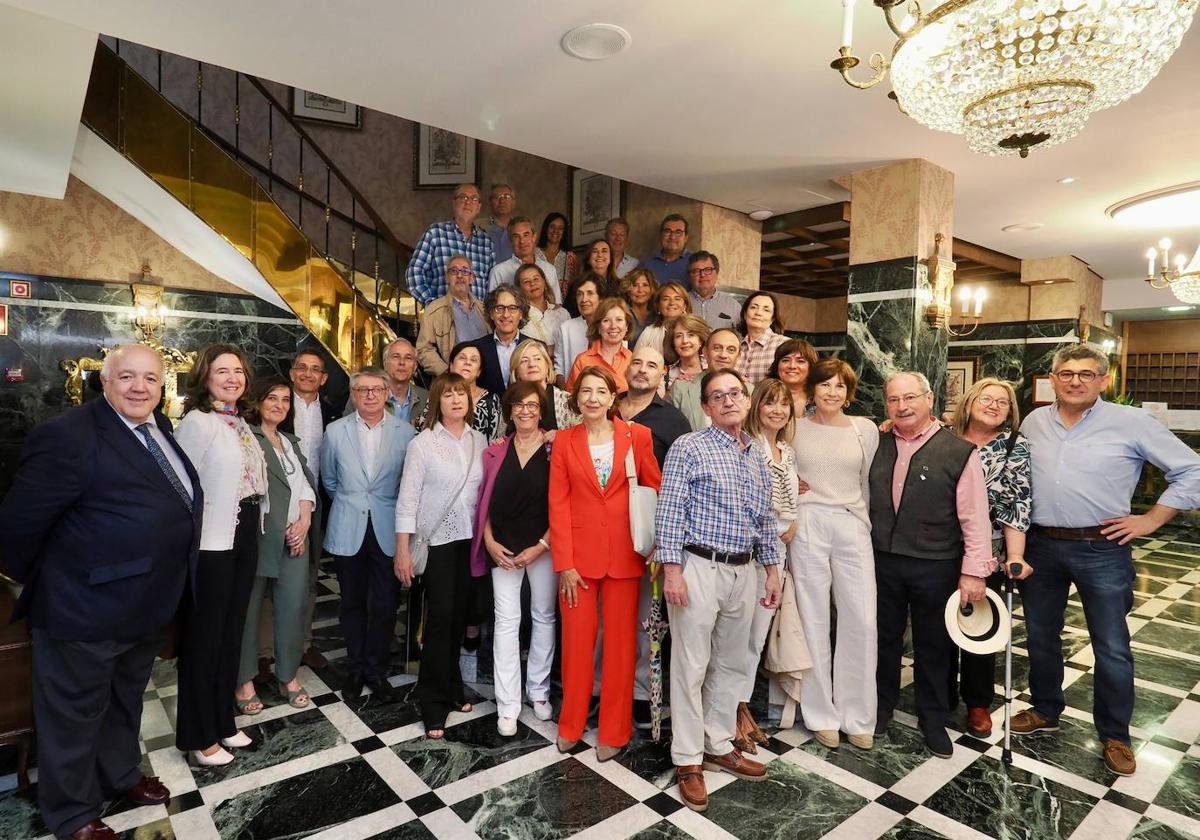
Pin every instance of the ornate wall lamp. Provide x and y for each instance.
(149, 312)
(941, 305)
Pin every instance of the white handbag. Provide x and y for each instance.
(642, 504)
(419, 545)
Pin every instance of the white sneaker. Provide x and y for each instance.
(506, 726)
(542, 709)
(218, 759)
(239, 739)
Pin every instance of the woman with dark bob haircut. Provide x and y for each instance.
(594, 557)
(233, 475)
(793, 358)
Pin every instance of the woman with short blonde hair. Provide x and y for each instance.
(608, 328)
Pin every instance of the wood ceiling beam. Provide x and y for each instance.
(986, 256)
(836, 212)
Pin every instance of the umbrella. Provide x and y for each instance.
(656, 629)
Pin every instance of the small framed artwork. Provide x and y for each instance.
(960, 376)
(442, 159)
(595, 199)
(1043, 390)
(317, 107)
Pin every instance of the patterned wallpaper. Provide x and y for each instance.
(898, 209)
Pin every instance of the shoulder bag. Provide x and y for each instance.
(419, 546)
(642, 503)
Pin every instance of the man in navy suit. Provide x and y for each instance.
(102, 526)
(507, 311)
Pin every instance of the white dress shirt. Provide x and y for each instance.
(369, 439)
(544, 325)
(310, 428)
(433, 470)
(570, 342)
(172, 456)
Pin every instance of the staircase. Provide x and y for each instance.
(236, 158)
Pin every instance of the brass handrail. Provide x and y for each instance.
(126, 111)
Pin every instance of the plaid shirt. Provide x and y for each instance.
(757, 355)
(442, 240)
(716, 493)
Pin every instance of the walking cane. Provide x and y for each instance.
(1006, 753)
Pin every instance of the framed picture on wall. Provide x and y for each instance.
(442, 159)
(960, 376)
(595, 199)
(316, 107)
(1043, 390)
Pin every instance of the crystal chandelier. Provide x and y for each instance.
(1183, 280)
(1011, 75)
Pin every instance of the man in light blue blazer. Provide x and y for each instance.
(361, 462)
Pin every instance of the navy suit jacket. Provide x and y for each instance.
(94, 530)
(491, 376)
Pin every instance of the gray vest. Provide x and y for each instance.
(926, 523)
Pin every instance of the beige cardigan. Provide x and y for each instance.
(437, 337)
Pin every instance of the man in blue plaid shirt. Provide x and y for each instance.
(443, 240)
(714, 520)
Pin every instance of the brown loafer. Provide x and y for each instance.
(735, 764)
(979, 722)
(313, 658)
(148, 791)
(97, 830)
(692, 789)
(748, 725)
(1119, 758)
(1029, 721)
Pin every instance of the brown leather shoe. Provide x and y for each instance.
(734, 763)
(148, 791)
(692, 789)
(1029, 721)
(979, 722)
(742, 740)
(1119, 758)
(95, 830)
(313, 658)
(749, 725)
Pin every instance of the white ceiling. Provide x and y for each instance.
(732, 103)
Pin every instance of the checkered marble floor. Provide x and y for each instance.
(332, 771)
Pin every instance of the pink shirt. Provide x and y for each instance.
(970, 497)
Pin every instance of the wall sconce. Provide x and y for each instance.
(941, 307)
(149, 312)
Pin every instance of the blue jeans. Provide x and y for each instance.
(1102, 571)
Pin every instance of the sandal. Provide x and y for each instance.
(243, 706)
(296, 698)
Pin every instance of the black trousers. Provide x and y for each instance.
(370, 594)
(210, 630)
(87, 701)
(448, 590)
(910, 584)
(976, 679)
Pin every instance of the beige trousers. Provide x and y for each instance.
(710, 638)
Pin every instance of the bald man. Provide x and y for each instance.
(102, 525)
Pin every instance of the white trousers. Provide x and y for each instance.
(506, 644)
(709, 640)
(760, 625)
(832, 551)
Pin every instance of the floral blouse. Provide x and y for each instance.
(1010, 499)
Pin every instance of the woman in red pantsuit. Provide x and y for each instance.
(594, 557)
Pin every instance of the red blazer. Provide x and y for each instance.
(589, 527)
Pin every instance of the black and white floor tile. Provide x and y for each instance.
(337, 771)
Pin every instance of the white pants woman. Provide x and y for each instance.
(760, 624)
(832, 554)
(506, 645)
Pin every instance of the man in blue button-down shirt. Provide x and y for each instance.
(1086, 456)
(714, 519)
(442, 241)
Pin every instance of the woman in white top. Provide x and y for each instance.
(670, 301)
(545, 316)
(284, 548)
(583, 297)
(438, 495)
(233, 475)
(770, 422)
(833, 552)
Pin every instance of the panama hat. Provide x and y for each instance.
(985, 630)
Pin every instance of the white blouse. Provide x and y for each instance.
(433, 470)
(300, 489)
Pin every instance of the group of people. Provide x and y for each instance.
(520, 462)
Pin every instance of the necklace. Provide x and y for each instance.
(289, 467)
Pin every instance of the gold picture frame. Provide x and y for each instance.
(175, 362)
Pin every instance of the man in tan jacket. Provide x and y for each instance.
(448, 320)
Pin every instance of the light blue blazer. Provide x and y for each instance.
(354, 493)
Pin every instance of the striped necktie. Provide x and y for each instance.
(160, 458)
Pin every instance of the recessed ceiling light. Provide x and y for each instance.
(1178, 308)
(1175, 206)
(595, 41)
(1068, 180)
(1022, 227)
(1047, 282)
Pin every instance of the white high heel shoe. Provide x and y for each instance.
(239, 739)
(218, 759)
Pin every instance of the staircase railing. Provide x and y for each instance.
(346, 308)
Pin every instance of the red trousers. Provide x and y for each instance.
(618, 598)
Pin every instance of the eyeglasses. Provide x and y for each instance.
(467, 199)
(999, 402)
(504, 196)
(526, 407)
(1084, 376)
(460, 272)
(718, 397)
(906, 399)
(506, 309)
(308, 369)
(673, 232)
(373, 391)
(702, 272)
